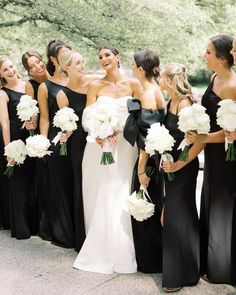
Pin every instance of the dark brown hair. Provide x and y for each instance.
(149, 61)
(223, 45)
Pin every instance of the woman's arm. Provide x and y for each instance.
(4, 117)
(43, 107)
(92, 92)
(142, 162)
(32, 124)
(29, 90)
(136, 88)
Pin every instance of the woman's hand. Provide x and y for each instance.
(143, 179)
(170, 166)
(64, 136)
(113, 138)
(10, 162)
(100, 141)
(30, 125)
(231, 136)
(192, 137)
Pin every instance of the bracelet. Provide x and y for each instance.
(141, 173)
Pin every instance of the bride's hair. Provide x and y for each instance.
(177, 73)
(149, 61)
(112, 49)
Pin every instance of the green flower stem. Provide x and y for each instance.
(9, 171)
(63, 149)
(107, 158)
(184, 155)
(31, 132)
(170, 176)
(231, 153)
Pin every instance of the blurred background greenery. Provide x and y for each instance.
(178, 30)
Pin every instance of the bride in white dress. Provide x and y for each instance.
(108, 246)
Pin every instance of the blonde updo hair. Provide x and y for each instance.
(177, 73)
(66, 60)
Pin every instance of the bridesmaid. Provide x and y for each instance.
(36, 68)
(21, 184)
(147, 234)
(181, 225)
(218, 208)
(74, 96)
(59, 167)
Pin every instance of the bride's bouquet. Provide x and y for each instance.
(139, 203)
(65, 119)
(37, 146)
(15, 150)
(192, 118)
(226, 119)
(159, 140)
(26, 109)
(103, 120)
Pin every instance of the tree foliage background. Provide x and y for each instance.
(178, 30)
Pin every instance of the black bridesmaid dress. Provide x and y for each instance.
(77, 101)
(61, 182)
(42, 186)
(21, 184)
(181, 224)
(147, 234)
(218, 209)
(4, 188)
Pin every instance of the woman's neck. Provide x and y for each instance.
(58, 79)
(43, 78)
(14, 83)
(224, 73)
(113, 76)
(75, 82)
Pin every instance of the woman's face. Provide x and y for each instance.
(162, 80)
(107, 59)
(77, 65)
(135, 69)
(36, 66)
(233, 51)
(8, 70)
(210, 57)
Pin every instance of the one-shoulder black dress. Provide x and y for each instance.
(61, 183)
(218, 212)
(77, 101)
(22, 183)
(181, 224)
(147, 234)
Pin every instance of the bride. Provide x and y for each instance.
(108, 246)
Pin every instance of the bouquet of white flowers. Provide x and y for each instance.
(159, 140)
(138, 205)
(226, 119)
(192, 118)
(15, 150)
(26, 109)
(37, 146)
(65, 119)
(102, 120)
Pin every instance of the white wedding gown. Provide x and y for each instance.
(108, 246)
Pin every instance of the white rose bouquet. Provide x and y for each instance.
(65, 119)
(226, 119)
(37, 146)
(17, 152)
(26, 109)
(138, 205)
(159, 140)
(103, 120)
(192, 118)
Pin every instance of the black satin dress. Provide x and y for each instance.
(42, 186)
(147, 234)
(77, 101)
(22, 183)
(61, 181)
(181, 224)
(218, 210)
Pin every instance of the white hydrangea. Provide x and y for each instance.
(27, 108)
(226, 115)
(37, 146)
(194, 118)
(16, 150)
(65, 119)
(158, 139)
